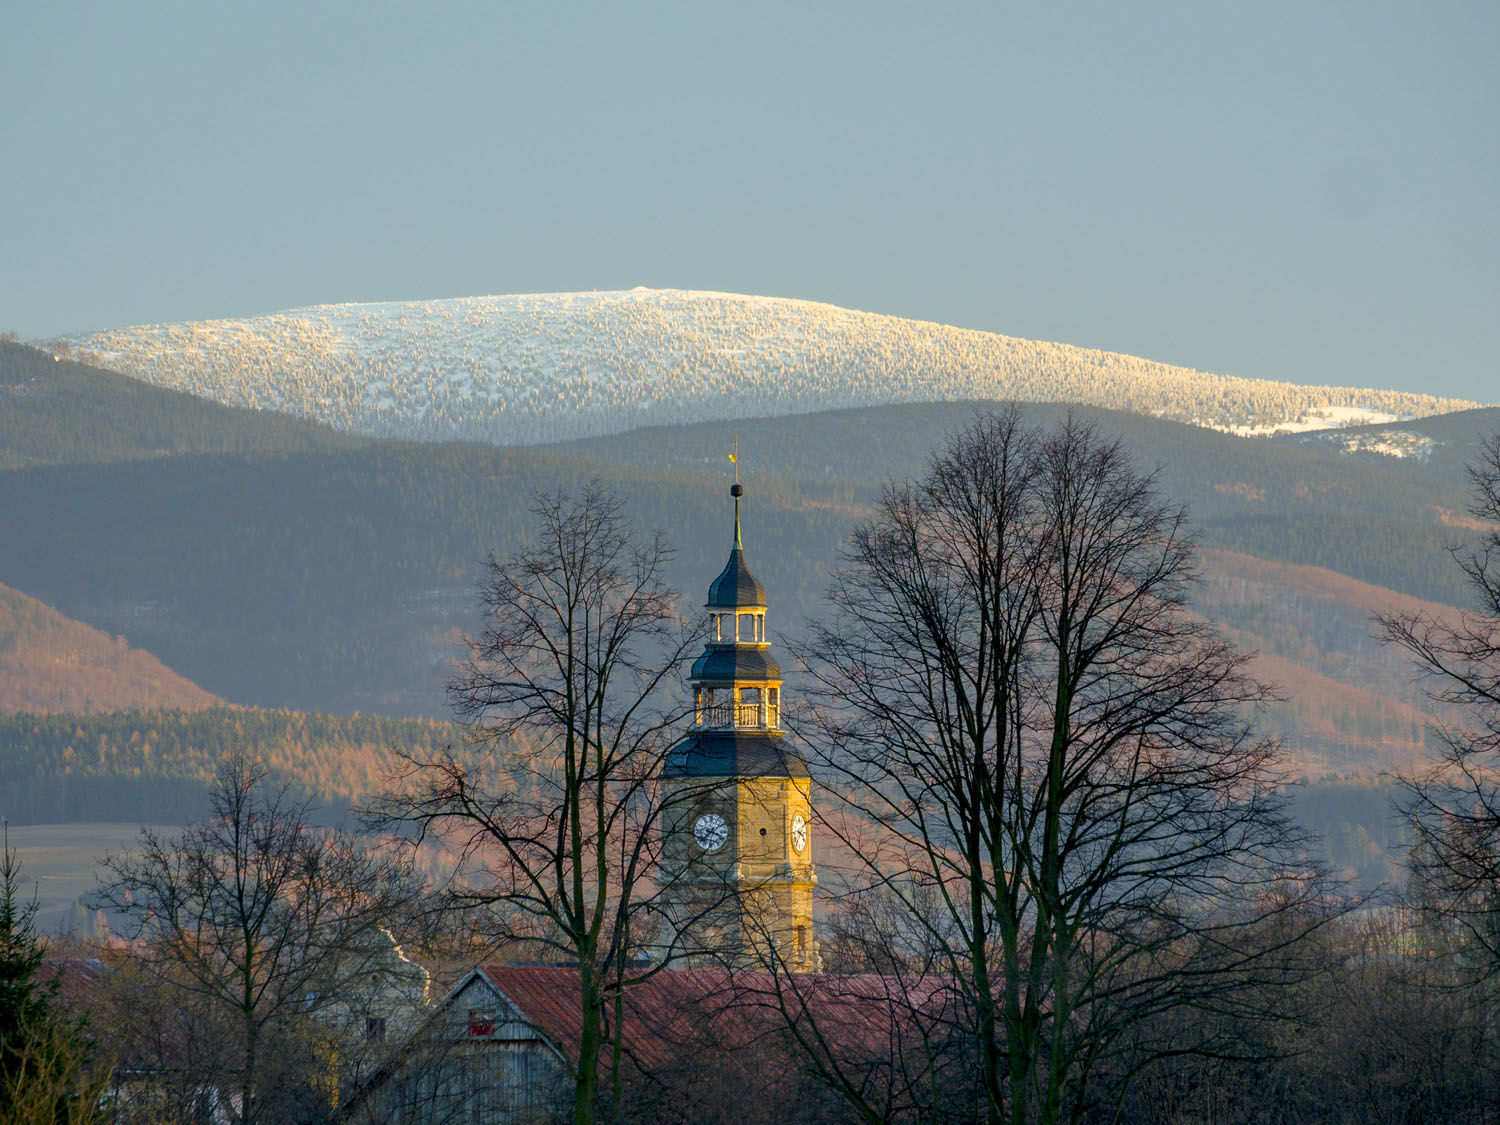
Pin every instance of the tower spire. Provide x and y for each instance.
(736, 490)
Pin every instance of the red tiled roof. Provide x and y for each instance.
(666, 1009)
(79, 979)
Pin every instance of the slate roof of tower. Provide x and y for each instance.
(736, 586)
(734, 753)
(726, 663)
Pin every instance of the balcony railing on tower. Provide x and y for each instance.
(762, 715)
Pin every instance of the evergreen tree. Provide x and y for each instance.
(25, 998)
(43, 1051)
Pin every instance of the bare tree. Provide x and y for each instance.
(552, 804)
(271, 923)
(1071, 812)
(1454, 807)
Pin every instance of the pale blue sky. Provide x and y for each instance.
(1304, 191)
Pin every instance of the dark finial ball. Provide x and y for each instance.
(736, 490)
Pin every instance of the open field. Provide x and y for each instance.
(58, 861)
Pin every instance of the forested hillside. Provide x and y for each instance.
(279, 566)
(335, 583)
(1345, 701)
(534, 368)
(51, 663)
(58, 412)
(1381, 519)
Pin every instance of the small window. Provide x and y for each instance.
(375, 1029)
(481, 1025)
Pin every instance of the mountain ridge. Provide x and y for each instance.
(528, 369)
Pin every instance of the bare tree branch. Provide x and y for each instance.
(1454, 806)
(552, 804)
(1079, 828)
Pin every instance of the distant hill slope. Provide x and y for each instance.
(335, 576)
(1348, 702)
(49, 663)
(527, 369)
(1445, 442)
(1377, 518)
(1218, 474)
(60, 412)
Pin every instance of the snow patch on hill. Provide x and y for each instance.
(529, 368)
(1324, 418)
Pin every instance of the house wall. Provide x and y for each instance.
(460, 1070)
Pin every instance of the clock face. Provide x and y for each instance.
(711, 832)
(799, 833)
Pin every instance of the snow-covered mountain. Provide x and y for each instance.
(546, 367)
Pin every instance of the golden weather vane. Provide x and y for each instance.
(734, 458)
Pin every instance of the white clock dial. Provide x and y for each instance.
(711, 831)
(799, 833)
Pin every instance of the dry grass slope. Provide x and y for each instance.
(1349, 704)
(51, 663)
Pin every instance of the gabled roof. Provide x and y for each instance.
(660, 1011)
(674, 1014)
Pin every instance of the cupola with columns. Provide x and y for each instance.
(736, 682)
(736, 868)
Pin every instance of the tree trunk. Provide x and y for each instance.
(590, 1039)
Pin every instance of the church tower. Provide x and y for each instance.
(736, 864)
